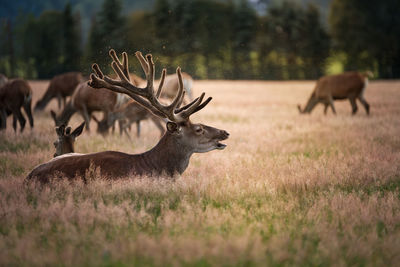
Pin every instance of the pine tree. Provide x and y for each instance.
(71, 44)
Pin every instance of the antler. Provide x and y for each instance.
(146, 96)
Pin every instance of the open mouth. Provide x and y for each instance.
(220, 146)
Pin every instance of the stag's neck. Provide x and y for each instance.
(168, 156)
(67, 113)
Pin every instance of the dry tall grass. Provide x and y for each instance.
(288, 189)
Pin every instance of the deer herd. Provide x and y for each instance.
(126, 99)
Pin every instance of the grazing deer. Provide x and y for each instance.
(66, 140)
(60, 87)
(86, 100)
(130, 112)
(14, 95)
(172, 153)
(348, 85)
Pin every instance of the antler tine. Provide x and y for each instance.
(163, 74)
(146, 96)
(122, 66)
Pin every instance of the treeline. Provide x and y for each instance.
(212, 39)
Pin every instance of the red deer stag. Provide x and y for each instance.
(60, 87)
(66, 140)
(14, 95)
(348, 85)
(172, 153)
(86, 100)
(130, 112)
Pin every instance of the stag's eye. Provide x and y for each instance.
(199, 130)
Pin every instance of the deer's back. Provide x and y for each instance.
(107, 164)
(14, 93)
(341, 85)
(94, 99)
(65, 83)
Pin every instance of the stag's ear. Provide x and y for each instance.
(172, 127)
(78, 130)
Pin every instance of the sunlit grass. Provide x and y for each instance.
(288, 189)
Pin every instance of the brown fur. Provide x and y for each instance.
(171, 85)
(348, 85)
(60, 87)
(128, 113)
(14, 95)
(86, 100)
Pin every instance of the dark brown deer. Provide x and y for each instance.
(172, 153)
(14, 95)
(66, 140)
(60, 87)
(130, 112)
(86, 100)
(348, 85)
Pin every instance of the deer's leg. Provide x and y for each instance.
(365, 103)
(28, 109)
(127, 134)
(353, 103)
(59, 100)
(138, 129)
(18, 115)
(326, 108)
(86, 117)
(3, 123)
(332, 105)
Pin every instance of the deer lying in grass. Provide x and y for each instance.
(86, 100)
(172, 153)
(14, 95)
(60, 87)
(66, 140)
(130, 112)
(348, 85)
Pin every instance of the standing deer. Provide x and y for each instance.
(14, 95)
(172, 153)
(66, 140)
(60, 87)
(130, 112)
(86, 100)
(348, 85)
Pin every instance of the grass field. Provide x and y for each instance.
(289, 190)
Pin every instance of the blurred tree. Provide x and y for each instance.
(71, 40)
(107, 32)
(315, 43)
(244, 28)
(369, 34)
(46, 43)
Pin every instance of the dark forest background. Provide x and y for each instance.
(209, 39)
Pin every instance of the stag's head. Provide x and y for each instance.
(65, 139)
(187, 135)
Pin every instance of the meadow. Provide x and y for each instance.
(288, 190)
